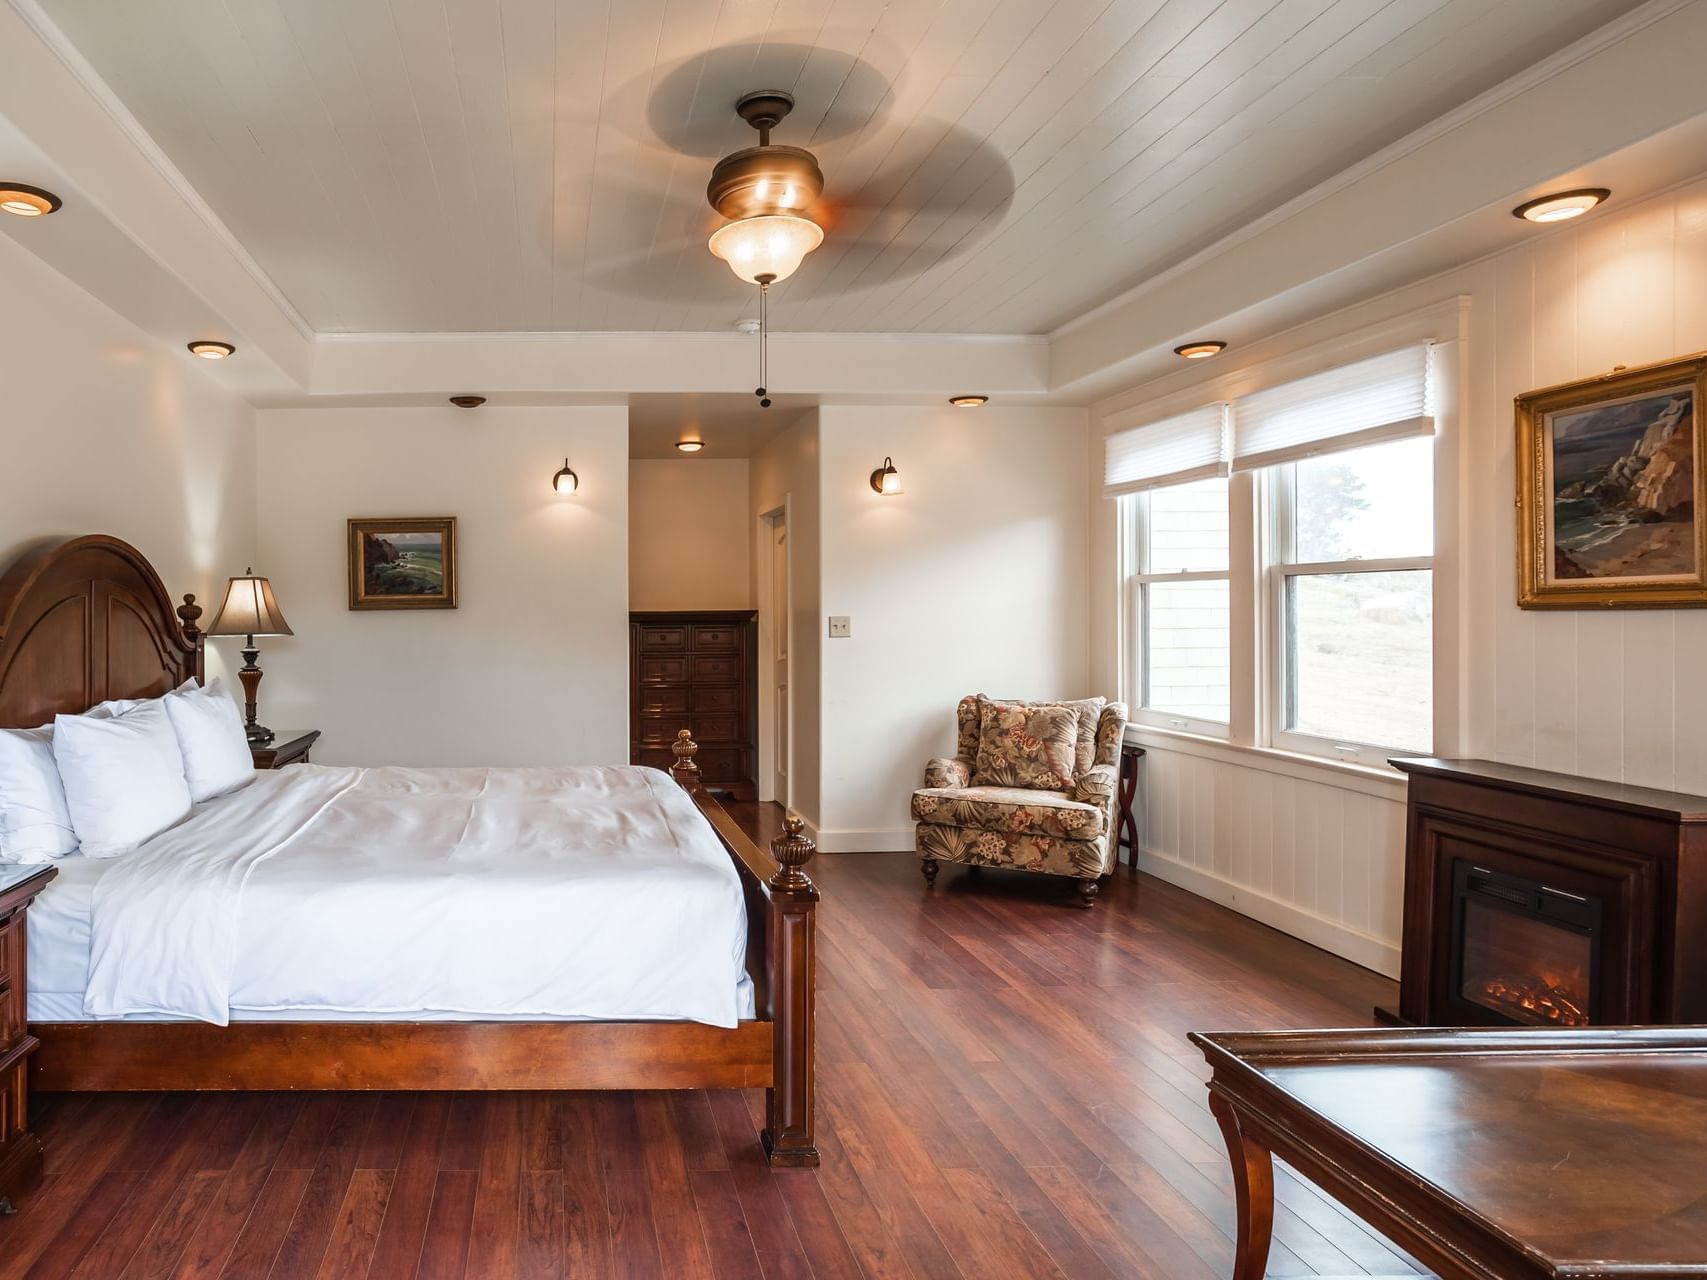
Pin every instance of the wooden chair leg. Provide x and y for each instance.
(1253, 1189)
(929, 867)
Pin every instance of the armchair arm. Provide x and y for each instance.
(1096, 785)
(948, 771)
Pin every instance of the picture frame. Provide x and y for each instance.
(402, 563)
(1611, 499)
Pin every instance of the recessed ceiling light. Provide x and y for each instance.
(209, 350)
(468, 402)
(968, 402)
(1200, 350)
(1561, 205)
(690, 446)
(27, 201)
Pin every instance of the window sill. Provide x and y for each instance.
(1383, 783)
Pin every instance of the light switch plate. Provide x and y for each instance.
(840, 626)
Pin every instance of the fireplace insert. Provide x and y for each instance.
(1524, 951)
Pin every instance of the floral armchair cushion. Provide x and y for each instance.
(1026, 746)
(1089, 712)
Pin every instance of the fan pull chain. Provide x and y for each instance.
(764, 343)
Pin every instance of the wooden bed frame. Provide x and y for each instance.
(86, 620)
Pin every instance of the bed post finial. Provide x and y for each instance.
(793, 850)
(189, 613)
(684, 770)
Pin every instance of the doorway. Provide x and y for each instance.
(775, 629)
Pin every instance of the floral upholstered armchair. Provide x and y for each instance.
(1031, 786)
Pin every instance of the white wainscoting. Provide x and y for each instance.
(1309, 850)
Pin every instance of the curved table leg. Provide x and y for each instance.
(1253, 1187)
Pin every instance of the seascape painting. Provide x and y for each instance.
(403, 563)
(1623, 488)
(1609, 490)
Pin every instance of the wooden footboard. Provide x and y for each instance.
(782, 959)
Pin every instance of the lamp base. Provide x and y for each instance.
(258, 734)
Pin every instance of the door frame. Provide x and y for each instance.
(768, 622)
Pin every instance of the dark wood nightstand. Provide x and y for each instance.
(20, 1150)
(289, 746)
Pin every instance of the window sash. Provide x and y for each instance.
(1135, 528)
(1276, 661)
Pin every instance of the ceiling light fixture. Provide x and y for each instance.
(886, 480)
(210, 350)
(565, 481)
(26, 201)
(1200, 350)
(468, 402)
(690, 446)
(968, 402)
(764, 191)
(1561, 205)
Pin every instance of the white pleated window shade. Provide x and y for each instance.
(1192, 446)
(1370, 402)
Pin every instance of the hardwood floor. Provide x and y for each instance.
(1005, 1091)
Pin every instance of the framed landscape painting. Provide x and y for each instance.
(403, 564)
(1610, 490)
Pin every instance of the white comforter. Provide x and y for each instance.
(576, 893)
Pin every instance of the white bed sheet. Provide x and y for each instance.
(406, 894)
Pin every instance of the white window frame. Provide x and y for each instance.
(1278, 567)
(1134, 523)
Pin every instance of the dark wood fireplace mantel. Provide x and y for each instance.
(1603, 885)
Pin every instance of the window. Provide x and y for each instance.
(1178, 594)
(1351, 606)
(1333, 589)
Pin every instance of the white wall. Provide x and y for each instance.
(102, 430)
(973, 580)
(1317, 850)
(785, 475)
(689, 534)
(532, 667)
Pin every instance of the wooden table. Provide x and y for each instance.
(1500, 1155)
(1126, 826)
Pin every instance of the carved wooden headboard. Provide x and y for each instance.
(82, 621)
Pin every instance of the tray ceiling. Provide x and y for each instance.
(993, 165)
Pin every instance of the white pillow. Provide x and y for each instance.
(123, 778)
(210, 735)
(35, 825)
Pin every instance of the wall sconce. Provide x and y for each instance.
(565, 481)
(886, 480)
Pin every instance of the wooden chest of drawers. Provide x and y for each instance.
(20, 1151)
(696, 671)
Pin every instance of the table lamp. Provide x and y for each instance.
(249, 610)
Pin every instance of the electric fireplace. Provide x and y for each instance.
(1538, 899)
(1523, 950)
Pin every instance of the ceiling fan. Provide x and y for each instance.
(765, 192)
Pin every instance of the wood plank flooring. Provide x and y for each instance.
(1005, 1090)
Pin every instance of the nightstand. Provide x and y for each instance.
(289, 746)
(20, 1150)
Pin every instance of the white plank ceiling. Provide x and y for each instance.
(993, 165)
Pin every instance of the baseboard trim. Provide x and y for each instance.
(887, 840)
(1360, 948)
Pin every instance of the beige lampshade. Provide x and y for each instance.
(249, 610)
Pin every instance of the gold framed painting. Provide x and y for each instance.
(1610, 491)
(403, 564)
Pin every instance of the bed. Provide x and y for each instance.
(387, 928)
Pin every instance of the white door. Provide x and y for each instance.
(779, 652)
